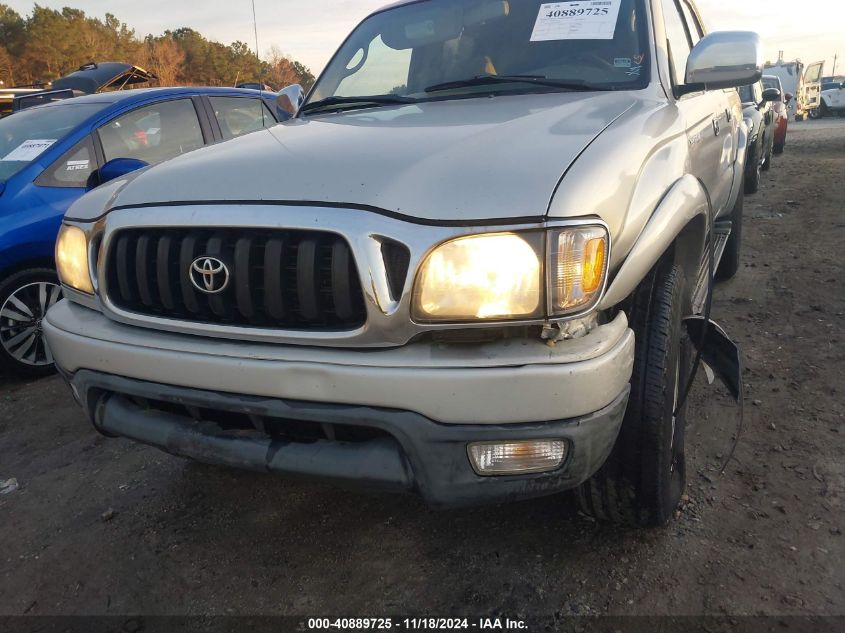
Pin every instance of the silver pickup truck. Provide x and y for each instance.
(464, 267)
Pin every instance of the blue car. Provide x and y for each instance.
(51, 155)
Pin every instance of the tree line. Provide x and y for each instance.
(49, 44)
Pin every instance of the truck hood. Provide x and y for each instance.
(467, 160)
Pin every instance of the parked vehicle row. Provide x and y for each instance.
(803, 82)
(766, 116)
(476, 264)
(51, 155)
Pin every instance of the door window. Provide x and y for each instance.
(240, 115)
(73, 169)
(153, 133)
(679, 43)
(814, 73)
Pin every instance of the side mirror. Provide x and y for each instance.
(725, 59)
(290, 98)
(771, 94)
(788, 97)
(117, 167)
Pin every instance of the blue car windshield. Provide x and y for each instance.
(25, 135)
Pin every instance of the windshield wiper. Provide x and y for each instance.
(356, 102)
(539, 80)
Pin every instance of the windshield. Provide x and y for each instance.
(441, 45)
(771, 83)
(746, 94)
(25, 135)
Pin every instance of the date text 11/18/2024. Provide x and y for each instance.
(416, 624)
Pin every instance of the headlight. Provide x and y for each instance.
(500, 276)
(495, 277)
(578, 260)
(72, 259)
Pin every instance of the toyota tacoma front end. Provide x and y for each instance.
(461, 269)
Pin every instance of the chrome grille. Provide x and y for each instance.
(277, 278)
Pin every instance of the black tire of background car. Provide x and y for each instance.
(729, 264)
(8, 364)
(767, 160)
(644, 478)
(753, 173)
(823, 111)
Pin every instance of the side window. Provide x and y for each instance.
(73, 169)
(679, 44)
(240, 115)
(153, 133)
(695, 30)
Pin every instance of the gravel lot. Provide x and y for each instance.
(106, 527)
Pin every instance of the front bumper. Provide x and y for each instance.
(397, 419)
(400, 451)
(497, 383)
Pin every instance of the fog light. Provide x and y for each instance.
(517, 458)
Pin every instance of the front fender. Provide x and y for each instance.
(685, 207)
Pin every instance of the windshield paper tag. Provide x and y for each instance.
(29, 150)
(583, 20)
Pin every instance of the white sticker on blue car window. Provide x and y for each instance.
(78, 165)
(28, 150)
(577, 20)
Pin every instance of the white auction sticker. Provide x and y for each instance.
(78, 165)
(582, 20)
(29, 150)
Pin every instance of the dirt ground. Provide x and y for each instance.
(104, 527)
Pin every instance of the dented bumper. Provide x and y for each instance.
(362, 447)
(395, 420)
(497, 383)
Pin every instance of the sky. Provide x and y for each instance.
(310, 30)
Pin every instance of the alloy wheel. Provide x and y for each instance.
(21, 316)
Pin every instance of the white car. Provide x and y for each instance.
(833, 100)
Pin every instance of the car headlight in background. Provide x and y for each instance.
(488, 277)
(72, 259)
(506, 276)
(578, 260)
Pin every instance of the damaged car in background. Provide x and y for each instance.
(477, 263)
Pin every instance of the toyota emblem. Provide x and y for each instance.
(209, 275)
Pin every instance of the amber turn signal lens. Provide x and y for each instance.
(578, 261)
(594, 262)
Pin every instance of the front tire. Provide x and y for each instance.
(732, 256)
(767, 159)
(642, 482)
(25, 298)
(754, 175)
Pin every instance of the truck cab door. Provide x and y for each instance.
(837, 98)
(813, 85)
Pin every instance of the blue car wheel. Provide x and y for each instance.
(25, 298)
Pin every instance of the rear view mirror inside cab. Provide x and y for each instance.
(441, 24)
